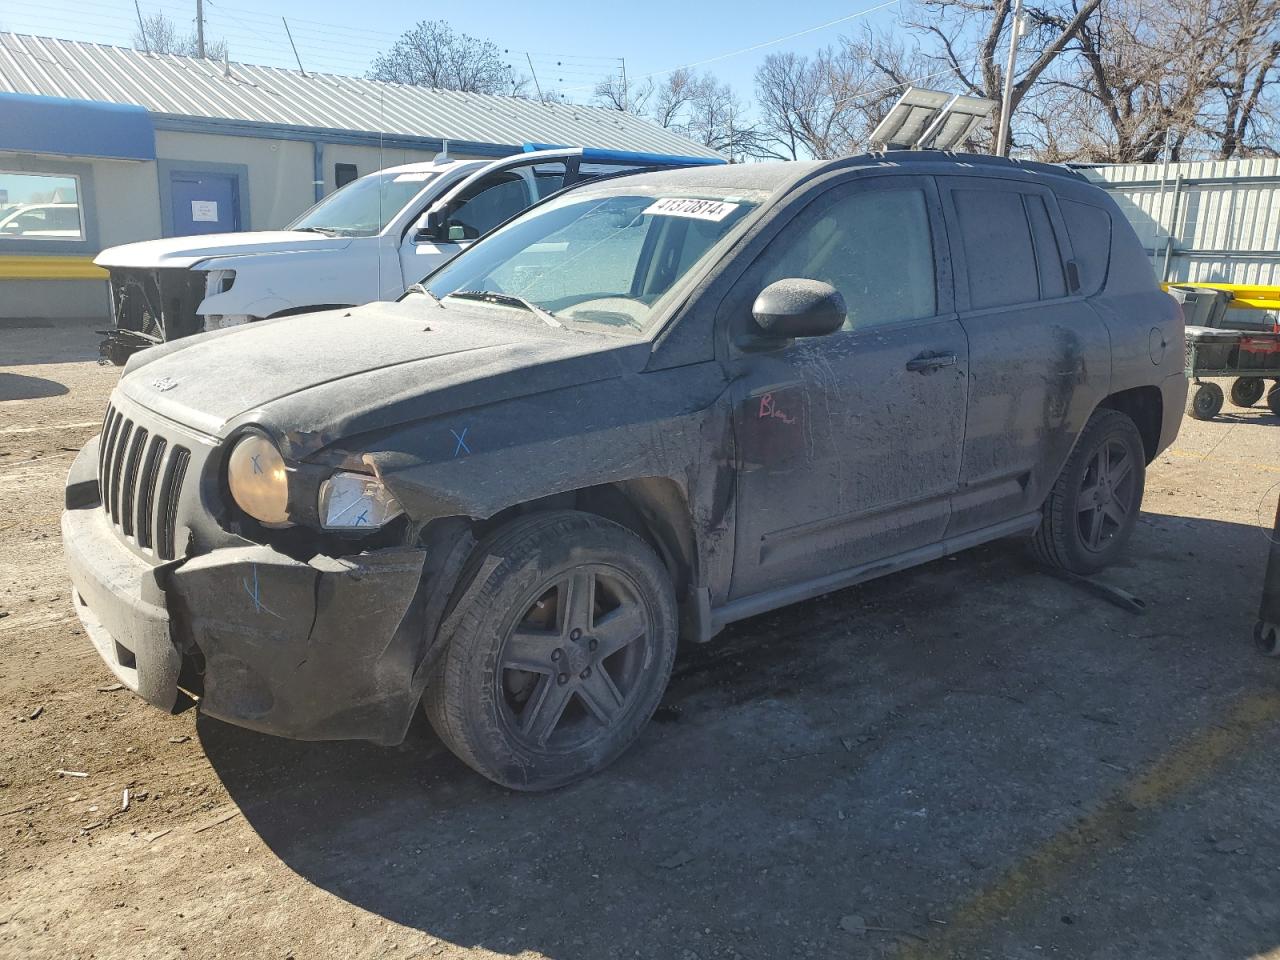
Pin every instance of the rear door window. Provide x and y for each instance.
(998, 251)
(1089, 228)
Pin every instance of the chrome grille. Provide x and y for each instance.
(140, 476)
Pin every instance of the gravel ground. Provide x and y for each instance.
(971, 759)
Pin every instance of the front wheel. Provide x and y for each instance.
(1273, 399)
(564, 640)
(1091, 511)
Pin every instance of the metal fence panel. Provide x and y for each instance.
(1202, 222)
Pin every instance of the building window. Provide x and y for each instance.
(344, 173)
(39, 206)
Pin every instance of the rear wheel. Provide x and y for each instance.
(1246, 391)
(565, 637)
(1205, 401)
(1091, 511)
(1273, 399)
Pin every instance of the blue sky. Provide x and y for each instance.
(571, 46)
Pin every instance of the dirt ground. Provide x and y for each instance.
(972, 759)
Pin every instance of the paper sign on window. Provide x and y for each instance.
(204, 211)
(715, 210)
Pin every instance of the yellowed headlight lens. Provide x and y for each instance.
(258, 480)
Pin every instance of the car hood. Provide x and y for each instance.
(343, 372)
(188, 251)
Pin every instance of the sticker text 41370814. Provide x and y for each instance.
(715, 210)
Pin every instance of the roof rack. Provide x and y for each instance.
(978, 159)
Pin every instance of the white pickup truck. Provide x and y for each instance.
(368, 241)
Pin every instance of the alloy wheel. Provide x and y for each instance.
(570, 666)
(1106, 495)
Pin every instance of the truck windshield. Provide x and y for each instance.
(363, 207)
(598, 258)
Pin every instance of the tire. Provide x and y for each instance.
(1086, 524)
(1205, 401)
(1273, 399)
(1246, 391)
(588, 690)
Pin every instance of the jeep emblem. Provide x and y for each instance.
(165, 383)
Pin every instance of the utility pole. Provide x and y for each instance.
(200, 29)
(626, 101)
(1006, 102)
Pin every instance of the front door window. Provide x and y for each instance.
(487, 204)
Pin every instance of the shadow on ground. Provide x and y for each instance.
(883, 752)
(17, 386)
(38, 342)
(1258, 414)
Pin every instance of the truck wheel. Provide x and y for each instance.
(562, 647)
(1246, 391)
(1273, 399)
(1205, 401)
(1093, 506)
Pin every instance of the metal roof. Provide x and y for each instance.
(188, 87)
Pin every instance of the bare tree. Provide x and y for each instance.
(433, 55)
(672, 96)
(696, 105)
(1241, 114)
(713, 116)
(1174, 78)
(158, 34)
(825, 106)
(968, 37)
(613, 93)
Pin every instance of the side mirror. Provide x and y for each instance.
(799, 308)
(428, 226)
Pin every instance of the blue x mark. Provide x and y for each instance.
(462, 441)
(256, 595)
(363, 518)
(257, 467)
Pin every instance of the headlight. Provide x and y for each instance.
(258, 479)
(356, 501)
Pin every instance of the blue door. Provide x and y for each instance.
(204, 203)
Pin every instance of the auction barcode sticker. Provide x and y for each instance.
(715, 210)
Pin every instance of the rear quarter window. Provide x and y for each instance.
(1089, 228)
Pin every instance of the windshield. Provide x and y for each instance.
(602, 259)
(363, 207)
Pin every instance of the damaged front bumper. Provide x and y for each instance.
(330, 648)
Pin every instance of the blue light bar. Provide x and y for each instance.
(597, 155)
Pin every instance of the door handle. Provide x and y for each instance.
(923, 364)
